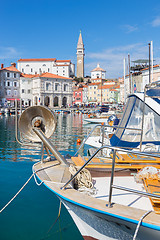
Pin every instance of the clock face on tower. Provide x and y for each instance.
(79, 61)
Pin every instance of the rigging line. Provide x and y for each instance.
(139, 223)
(25, 185)
(59, 212)
(17, 192)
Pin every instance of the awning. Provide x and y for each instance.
(12, 99)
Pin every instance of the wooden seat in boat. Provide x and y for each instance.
(121, 162)
(153, 186)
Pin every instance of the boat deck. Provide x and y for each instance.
(127, 205)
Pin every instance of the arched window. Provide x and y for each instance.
(47, 101)
(55, 102)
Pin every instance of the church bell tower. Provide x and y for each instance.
(80, 57)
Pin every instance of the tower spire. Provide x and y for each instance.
(80, 57)
(80, 41)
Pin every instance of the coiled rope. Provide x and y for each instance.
(139, 223)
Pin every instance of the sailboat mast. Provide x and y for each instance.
(124, 64)
(151, 61)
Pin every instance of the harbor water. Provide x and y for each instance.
(32, 215)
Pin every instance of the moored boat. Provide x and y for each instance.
(122, 202)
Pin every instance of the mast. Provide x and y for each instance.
(151, 61)
(129, 73)
(124, 64)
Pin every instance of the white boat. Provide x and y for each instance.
(116, 203)
(125, 135)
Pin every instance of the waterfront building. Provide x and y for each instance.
(9, 82)
(92, 92)
(145, 76)
(114, 94)
(121, 89)
(98, 74)
(80, 57)
(103, 93)
(26, 85)
(78, 96)
(64, 68)
(85, 94)
(51, 90)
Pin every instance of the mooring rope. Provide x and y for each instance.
(33, 175)
(59, 212)
(17, 192)
(139, 223)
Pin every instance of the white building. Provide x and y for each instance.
(26, 84)
(97, 74)
(153, 77)
(9, 82)
(51, 90)
(85, 94)
(63, 68)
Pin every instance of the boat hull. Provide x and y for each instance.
(96, 225)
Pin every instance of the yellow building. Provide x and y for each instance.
(92, 92)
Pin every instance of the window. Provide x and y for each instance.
(44, 65)
(65, 87)
(27, 65)
(23, 90)
(23, 70)
(47, 86)
(14, 75)
(31, 70)
(15, 84)
(48, 69)
(8, 84)
(29, 90)
(8, 92)
(8, 75)
(75, 94)
(39, 69)
(56, 87)
(15, 92)
(79, 94)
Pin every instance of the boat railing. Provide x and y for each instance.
(103, 126)
(115, 150)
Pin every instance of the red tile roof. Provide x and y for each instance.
(27, 75)
(50, 75)
(93, 84)
(113, 90)
(11, 68)
(37, 59)
(60, 65)
(148, 67)
(98, 69)
(106, 86)
(63, 60)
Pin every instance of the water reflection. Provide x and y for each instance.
(69, 128)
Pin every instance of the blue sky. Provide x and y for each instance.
(110, 30)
